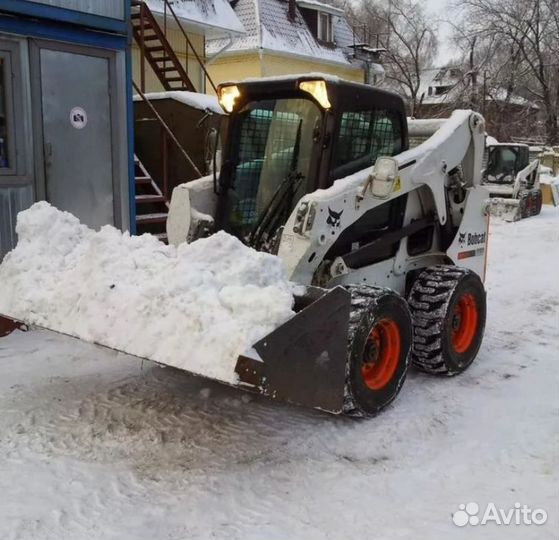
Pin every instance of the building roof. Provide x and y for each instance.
(214, 18)
(450, 83)
(269, 28)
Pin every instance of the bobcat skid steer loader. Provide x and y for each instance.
(512, 181)
(388, 244)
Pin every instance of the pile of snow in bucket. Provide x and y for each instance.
(196, 307)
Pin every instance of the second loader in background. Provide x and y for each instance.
(513, 181)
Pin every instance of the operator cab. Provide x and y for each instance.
(290, 136)
(505, 161)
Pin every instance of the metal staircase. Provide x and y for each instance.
(152, 195)
(151, 206)
(156, 49)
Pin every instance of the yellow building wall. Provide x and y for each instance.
(234, 68)
(273, 64)
(237, 67)
(178, 42)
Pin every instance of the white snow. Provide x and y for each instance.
(192, 99)
(95, 444)
(320, 6)
(290, 77)
(196, 307)
(304, 46)
(215, 17)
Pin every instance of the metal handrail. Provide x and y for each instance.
(170, 7)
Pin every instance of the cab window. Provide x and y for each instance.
(362, 137)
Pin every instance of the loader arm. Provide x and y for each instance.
(309, 234)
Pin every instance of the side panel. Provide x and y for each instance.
(469, 248)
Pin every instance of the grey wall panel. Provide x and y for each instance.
(12, 201)
(105, 8)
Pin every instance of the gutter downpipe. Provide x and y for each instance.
(212, 58)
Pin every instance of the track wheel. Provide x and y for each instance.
(379, 343)
(525, 204)
(537, 199)
(448, 309)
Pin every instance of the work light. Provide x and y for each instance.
(227, 96)
(317, 89)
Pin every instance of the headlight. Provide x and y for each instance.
(317, 89)
(227, 97)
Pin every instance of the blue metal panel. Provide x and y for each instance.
(61, 32)
(12, 201)
(130, 119)
(92, 20)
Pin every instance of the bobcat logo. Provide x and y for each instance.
(334, 218)
(462, 238)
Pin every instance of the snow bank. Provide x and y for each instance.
(195, 307)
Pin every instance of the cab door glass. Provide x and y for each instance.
(362, 137)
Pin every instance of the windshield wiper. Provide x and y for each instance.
(273, 213)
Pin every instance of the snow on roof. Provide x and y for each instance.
(501, 94)
(505, 144)
(202, 102)
(320, 6)
(291, 77)
(451, 86)
(215, 18)
(268, 28)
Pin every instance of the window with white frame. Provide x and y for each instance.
(324, 28)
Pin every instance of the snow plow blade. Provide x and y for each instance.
(301, 362)
(304, 360)
(8, 325)
(508, 209)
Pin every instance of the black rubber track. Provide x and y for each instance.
(537, 200)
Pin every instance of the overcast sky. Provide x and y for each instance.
(439, 9)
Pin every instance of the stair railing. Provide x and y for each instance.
(189, 43)
(168, 135)
(144, 8)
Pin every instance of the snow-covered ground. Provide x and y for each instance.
(98, 445)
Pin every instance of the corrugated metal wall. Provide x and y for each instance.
(105, 8)
(12, 201)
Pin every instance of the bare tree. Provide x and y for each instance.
(522, 42)
(405, 31)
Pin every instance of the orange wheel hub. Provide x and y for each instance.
(464, 323)
(381, 354)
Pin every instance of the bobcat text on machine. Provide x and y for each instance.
(390, 242)
(512, 180)
(387, 245)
